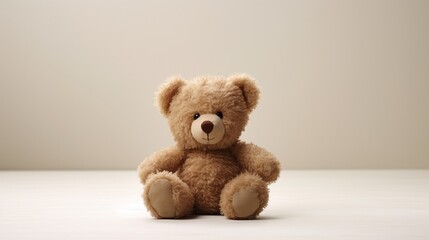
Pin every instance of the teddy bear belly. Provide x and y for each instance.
(206, 176)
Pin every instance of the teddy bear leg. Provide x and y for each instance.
(244, 197)
(166, 196)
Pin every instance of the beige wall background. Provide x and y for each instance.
(345, 84)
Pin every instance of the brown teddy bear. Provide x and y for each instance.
(208, 171)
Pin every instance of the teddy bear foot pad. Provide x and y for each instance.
(161, 198)
(245, 202)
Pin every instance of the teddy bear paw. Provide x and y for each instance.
(167, 196)
(161, 198)
(244, 197)
(245, 202)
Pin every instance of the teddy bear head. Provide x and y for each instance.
(208, 112)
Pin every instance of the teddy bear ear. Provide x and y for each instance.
(248, 87)
(166, 93)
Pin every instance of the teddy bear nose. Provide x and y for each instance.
(207, 126)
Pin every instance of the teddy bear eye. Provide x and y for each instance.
(196, 115)
(219, 114)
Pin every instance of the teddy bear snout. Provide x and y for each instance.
(208, 129)
(207, 126)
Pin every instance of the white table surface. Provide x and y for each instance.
(303, 205)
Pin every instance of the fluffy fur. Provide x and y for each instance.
(206, 178)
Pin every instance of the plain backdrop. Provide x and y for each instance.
(345, 84)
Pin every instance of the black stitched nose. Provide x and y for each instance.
(207, 126)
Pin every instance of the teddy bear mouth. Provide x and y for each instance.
(208, 139)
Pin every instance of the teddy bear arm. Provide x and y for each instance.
(168, 159)
(257, 160)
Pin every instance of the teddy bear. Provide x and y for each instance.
(209, 170)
